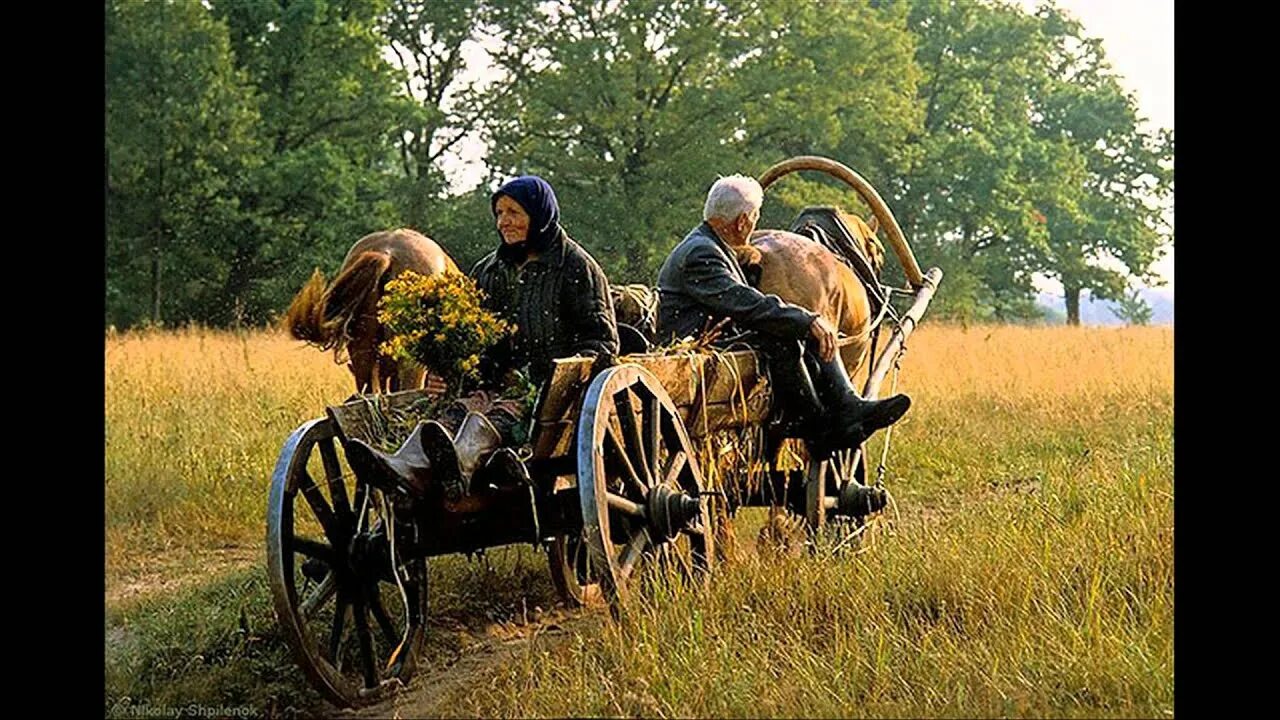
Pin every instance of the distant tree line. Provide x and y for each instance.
(251, 141)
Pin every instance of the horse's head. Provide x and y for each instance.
(865, 233)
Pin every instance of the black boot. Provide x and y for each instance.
(437, 446)
(853, 419)
(802, 409)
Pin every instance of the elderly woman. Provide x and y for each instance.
(557, 297)
(544, 282)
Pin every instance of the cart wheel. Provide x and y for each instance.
(823, 482)
(570, 568)
(571, 573)
(355, 631)
(638, 483)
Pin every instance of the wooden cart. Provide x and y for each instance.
(616, 462)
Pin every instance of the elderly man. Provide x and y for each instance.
(701, 284)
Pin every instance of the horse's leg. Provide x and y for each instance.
(363, 349)
(362, 370)
(854, 311)
(409, 376)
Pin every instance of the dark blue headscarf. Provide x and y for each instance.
(538, 200)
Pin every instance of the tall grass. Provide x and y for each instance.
(194, 421)
(1031, 573)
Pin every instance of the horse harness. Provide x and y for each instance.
(824, 226)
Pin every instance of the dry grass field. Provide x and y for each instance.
(1030, 571)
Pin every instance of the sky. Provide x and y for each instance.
(1137, 36)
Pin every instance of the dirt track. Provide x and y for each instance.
(429, 693)
(165, 574)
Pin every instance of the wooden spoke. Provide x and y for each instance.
(379, 613)
(320, 507)
(652, 415)
(621, 504)
(337, 482)
(685, 566)
(367, 667)
(631, 434)
(336, 632)
(313, 548)
(317, 598)
(631, 553)
(675, 465)
(630, 475)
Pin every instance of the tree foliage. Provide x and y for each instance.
(180, 130)
(1132, 308)
(250, 141)
(1105, 212)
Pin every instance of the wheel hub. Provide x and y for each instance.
(367, 554)
(859, 500)
(671, 511)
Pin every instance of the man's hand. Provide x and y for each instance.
(826, 337)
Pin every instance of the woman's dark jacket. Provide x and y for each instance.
(559, 302)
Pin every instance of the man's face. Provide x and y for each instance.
(512, 220)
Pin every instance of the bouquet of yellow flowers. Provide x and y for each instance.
(438, 322)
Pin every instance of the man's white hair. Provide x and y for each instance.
(732, 196)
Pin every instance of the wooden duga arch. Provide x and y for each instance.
(868, 194)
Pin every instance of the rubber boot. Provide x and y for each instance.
(792, 384)
(455, 459)
(853, 418)
(407, 471)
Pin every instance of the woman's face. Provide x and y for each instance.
(512, 220)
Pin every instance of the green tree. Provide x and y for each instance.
(331, 110)
(1132, 308)
(178, 133)
(626, 107)
(964, 196)
(428, 40)
(633, 108)
(835, 79)
(1105, 217)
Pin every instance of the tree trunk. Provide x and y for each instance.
(155, 279)
(1072, 296)
(242, 270)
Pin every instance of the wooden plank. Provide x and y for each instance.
(562, 395)
(734, 384)
(726, 416)
(683, 377)
(555, 438)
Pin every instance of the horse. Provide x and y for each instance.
(803, 272)
(344, 314)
